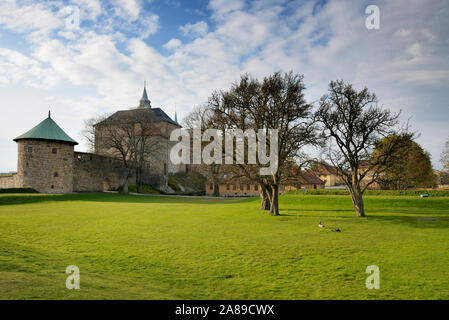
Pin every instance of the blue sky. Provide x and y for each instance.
(187, 49)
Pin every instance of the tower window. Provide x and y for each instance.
(54, 151)
(165, 169)
(30, 149)
(56, 175)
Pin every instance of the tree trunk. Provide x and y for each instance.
(139, 180)
(126, 183)
(274, 208)
(216, 189)
(357, 201)
(265, 198)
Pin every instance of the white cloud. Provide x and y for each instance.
(173, 44)
(128, 8)
(223, 7)
(90, 9)
(37, 17)
(197, 29)
(18, 68)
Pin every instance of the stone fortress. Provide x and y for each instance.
(48, 163)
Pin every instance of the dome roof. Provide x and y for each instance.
(47, 130)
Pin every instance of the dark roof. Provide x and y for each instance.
(121, 116)
(47, 130)
(325, 169)
(308, 177)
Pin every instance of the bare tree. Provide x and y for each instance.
(445, 157)
(150, 144)
(132, 137)
(277, 102)
(120, 141)
(201, 118)
(88, 132)
(354, 123)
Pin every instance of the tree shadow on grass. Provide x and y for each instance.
(412, 221)
(17, 199)
(440, 220)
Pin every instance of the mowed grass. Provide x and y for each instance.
(133, 247)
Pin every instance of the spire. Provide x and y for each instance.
(49, 114)
(144, 101)
(176, 115)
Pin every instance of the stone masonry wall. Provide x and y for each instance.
(12, 181)
(94, 172)
(46, 166)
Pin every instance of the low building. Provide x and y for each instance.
(368, 178)
(329, 175)
(229, 186)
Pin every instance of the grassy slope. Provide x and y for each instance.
(131, 247)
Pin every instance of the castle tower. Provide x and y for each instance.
(45, 158)
(144, 101)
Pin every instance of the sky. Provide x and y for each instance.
(185, 50)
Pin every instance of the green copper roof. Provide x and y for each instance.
(47, 130)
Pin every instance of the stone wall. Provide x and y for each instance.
(12, 181)
(46, 166)
(94, 172)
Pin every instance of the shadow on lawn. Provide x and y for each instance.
(15, 199)
(439, 223)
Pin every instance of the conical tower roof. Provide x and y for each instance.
(144, 101)
(47, 130)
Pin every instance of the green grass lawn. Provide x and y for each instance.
(134, 247)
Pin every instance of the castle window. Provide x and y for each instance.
(165, 169)
(241, 187)
(256, 187)
(211, 186)
(56, 175)
(234, 187)
(30, 149)
(54, 150)
(228, 187)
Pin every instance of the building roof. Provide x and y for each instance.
(47, 130)
(325, 169)
(155, 114)
(144, 112)
(308, 177)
